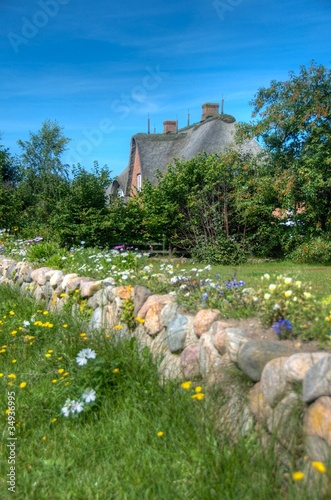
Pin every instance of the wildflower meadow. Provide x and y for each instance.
(89, 415)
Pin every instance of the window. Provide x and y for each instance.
(138, 182)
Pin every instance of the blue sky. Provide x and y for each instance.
(99, 68)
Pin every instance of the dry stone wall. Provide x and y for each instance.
(202, 345)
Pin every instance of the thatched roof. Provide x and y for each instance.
(157, 151)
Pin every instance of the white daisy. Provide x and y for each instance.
(89, 395)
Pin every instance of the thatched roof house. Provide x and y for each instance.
(152, 152)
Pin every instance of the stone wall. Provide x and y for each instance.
(202, 345)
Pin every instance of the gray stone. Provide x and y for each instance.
(169, 367)
(317, 381)
(209, 357)
(274, 384)
(189, 361)
(56, 279)
(298, 365)
(255, 354)
(168, 312)
(283, 421)
(140, 296)
(234, 339)
(176, 333)
(96, 320)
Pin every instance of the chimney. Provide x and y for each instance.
(209, 109)
(170, 126)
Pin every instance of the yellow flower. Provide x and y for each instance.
(272, 287)
(50, 350)
(60, 370)
(298, 476)
(319, 466)
(14, 360)
(67, 383)
(45, 312)
(63, 295)
(288, 293)
(8, 411)
(60, 359)
(65, 325)
(13, 332)
(11, 313)
(48, 355)
(43, 438)
(118, 327)
(54, 420)
(287, 281)
(267, 296)
(54, 380)
(198, 389)
(198, 396)
(22, 385)
(266, 276)
(186, 385)
(116, 370)
(140, 320)
(12, 375)
(1, 374)
(307, 295)
(82, 334)
(66, 374)
(107, 336)
(160, 434)
(2, 350)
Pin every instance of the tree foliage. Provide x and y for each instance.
(293, 119)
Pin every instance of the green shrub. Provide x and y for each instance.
(316, 250)
(220, 251)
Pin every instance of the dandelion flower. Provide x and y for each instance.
(118, 327)
(298, 476)
(65, 326)
(198, 396)
(116, 370)
(140, 320)
(48, 355)
(14, 360)
(198, 389)
(319, 466)
(89, 395)
(12, 375)
(186, 385)
(11, 313)
(54, 420)
(43, 438)
(160, 434)
(22, 385)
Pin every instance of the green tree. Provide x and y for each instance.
(81, 212)
(44, 178)
(10, 203)
(195, 205)
(293, 120)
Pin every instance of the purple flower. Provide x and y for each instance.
(281, 325)
(205, 296)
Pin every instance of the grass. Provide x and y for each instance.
(113, 449)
